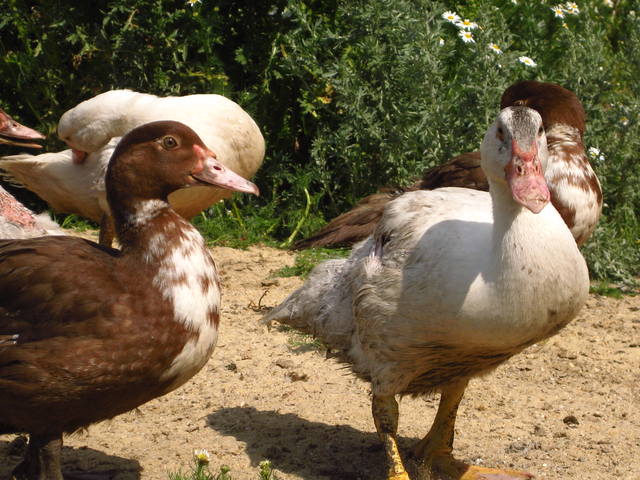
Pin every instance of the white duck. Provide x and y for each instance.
(91, 128)
(16, 220)
(67, 187)
(452, 283)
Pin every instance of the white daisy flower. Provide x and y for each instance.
(466, 36)
(608, 3)
(571, 8)
(452, 17)
(441, 41)
(495, 48)
(596, 154)
(193, 2)
(467, 24)
(558, 11)
(527, 61)
(202, 456)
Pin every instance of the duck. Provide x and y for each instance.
(220, 122)
(452, 283)
(72, 180)
(67, 186)
(575, 189)
(16, 220)
(14, 133)
(88, 332)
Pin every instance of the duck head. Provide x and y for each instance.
(157, 158)
(14, 133)
(514, 151)
(103, 110)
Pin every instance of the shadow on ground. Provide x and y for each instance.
(311, 450)
(74, 460)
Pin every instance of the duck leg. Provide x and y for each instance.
(107, 231)
(434, 450)
(385, 417)
(42, 459)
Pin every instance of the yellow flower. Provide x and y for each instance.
(527, 61)
(467, 37)
(495, 48)
(202, 456)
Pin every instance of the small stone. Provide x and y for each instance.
(284, 363)
(571, 420)
(539, 431)
(298, 377)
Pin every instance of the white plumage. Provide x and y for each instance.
(72, 181)
(452, 283)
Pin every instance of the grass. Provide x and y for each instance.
(301, 342)
(306, 260)
(75, 222)
(607, 289)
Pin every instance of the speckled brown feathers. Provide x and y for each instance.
(78, 369)
(88, 332)
(575, 189)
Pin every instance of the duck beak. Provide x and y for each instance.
(78, 156)
(14, 133)
(211, 171)
(525, 178)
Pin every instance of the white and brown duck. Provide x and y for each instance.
(16, 220)
(574, 186)
(89, 332)
(452, 283)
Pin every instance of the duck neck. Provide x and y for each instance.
(172, 252)
(515, 228)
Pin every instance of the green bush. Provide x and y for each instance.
(351, 96)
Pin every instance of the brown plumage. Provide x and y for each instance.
(575, 189)
(88, 332)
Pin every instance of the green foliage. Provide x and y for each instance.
(350, 96)
(75, 222)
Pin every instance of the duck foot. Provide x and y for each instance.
(41, 460)
(445, 467)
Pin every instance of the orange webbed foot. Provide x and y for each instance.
(445, 467)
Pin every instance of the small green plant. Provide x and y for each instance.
(75, 222)
(266, 471)
(200, 469)
(606, 289)
(301, 342)
(306, 260)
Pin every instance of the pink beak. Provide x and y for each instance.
(78, 156)
(14, 133)
(525, 178)
(210, 170)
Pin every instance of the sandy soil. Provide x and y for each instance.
(568, 409)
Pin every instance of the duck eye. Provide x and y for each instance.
(169, 142)
(500, 134)
(540, 130)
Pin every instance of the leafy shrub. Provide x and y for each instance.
(350, 96)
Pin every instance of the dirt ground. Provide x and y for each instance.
(567, 409)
